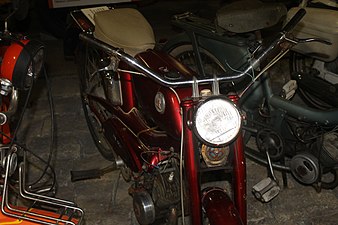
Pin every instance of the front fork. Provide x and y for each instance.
(219, 208)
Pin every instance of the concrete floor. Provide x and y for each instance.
(296, 204)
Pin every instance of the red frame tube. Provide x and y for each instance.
(217, 204)
(239, 178)
(191, 166)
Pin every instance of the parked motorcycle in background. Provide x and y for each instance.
(170, 131)
(315, 65)
(21, 61)
(289, 136)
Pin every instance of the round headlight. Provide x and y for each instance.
(22, 62)
(217, 121)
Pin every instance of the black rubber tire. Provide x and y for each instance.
(185, 54)
(93, 84)
(303, 64)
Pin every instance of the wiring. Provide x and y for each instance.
(33, 154)
(52, 140)
(51, 107)
(270, 64)
(144, 160)
(240, 72)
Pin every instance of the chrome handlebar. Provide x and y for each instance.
(263, 53)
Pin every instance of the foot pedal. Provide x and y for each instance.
(266, 190)
(91, 174)
(289, 89)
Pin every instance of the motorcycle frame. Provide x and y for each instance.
(283, 107)
(188, 138)
(229, 212)
(219, 209)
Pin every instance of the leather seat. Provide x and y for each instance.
(124, 28)
(249, 15)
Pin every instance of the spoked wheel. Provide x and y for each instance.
(307, 66)
(92, 83)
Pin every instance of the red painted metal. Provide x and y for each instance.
(191, 165)
(132, 133)
(128, 96)
(240, 178)
(5, 128)
(135, 137)
(219, 208)
(239, 173)
(146, 89)
(10, 58)
(170, 120)
(124, 143)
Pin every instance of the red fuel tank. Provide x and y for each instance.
(162, 104)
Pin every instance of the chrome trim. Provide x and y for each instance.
(13, 106)
(64, 205)
(156, 77)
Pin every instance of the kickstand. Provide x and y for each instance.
(284, 175)
(271, 172)
(115, 187)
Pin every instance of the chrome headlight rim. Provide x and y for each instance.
(230, 110)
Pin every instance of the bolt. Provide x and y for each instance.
(171, 177)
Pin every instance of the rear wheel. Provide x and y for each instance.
(92, 83)
(317, 72)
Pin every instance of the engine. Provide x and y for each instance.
(158, 193)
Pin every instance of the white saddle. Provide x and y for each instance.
(124, 28)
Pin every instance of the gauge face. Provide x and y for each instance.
(217, 121)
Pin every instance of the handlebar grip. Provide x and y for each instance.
(294, 20)
(85, 174)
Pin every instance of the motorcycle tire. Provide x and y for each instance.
(302, 64)
(185, 54)
(88, 60)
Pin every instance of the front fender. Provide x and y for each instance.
(219, 208)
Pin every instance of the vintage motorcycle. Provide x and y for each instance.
(169, 130)
(290, 136)
(21, 61)
(314, 65)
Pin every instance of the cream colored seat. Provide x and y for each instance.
(124, 28)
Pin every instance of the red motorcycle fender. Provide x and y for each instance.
(219, 208)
